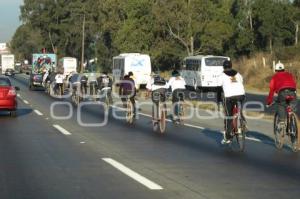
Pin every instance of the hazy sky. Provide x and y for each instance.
(9, 18)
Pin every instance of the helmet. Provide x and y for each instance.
(130, 73)
(279, 66)
(227, 64)
(175, 73)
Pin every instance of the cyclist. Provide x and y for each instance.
(283, 83)
(127, 90)
(105, 82)
(83, 84)
(93, 84)
(177, 85)
(59, 80)
(232, 83)
(157, 87)
(74, 80)
(45, 77)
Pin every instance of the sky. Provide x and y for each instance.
(9, 18)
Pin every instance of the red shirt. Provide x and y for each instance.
(279, 81)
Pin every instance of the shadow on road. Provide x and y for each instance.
(20, 112)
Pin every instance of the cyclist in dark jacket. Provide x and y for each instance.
(127, 90)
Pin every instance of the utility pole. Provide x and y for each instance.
(82, 45)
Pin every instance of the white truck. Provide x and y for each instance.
(139, 64)
(67, 65)
(7, 62)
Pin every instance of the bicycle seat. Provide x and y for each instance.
(289, 98)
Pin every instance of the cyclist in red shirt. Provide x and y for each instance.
(283, 83)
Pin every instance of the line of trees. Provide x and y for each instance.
(168, 30)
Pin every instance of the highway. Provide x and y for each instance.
(42, 156)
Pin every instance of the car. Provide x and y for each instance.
(8, 96)
(9, 72)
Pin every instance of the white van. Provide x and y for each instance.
(139, 64)
(202, 71)
(67, 65)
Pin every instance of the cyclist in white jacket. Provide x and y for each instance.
(177, 85)
(232, 83)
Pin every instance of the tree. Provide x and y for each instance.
(272, 22)
(25, 41)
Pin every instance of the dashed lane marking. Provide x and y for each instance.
(132, 174)
(38, 112)
(61, 129)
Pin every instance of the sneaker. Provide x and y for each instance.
(225, 141)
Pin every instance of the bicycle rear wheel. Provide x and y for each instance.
(162, 118)
(278, 132)
(181, 113)
(129, 112)
(240, 134)
(293, 132)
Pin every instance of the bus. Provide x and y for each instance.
(202, 71)
(139, 64)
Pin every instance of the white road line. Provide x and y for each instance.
(61, 129)
(132, 174)
(18, 95)
(188, 125)
(25, 101)
(253, 139)
(194, 126)
(38, 112)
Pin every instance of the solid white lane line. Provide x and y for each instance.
(18, 95)
(194, 126)
(38, 112)
(132, 174)
(25, 101)
(188, 125)
(61, 129)
(253, 139)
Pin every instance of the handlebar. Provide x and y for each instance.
(268, 106)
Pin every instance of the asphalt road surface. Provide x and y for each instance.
(42, 156)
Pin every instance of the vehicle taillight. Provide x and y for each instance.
(12, 92)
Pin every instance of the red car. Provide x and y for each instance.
(8, 96)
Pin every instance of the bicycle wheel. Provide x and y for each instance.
(181, 113)
(240, 134)
(293, 131)
(278, 133)
(162, 118)
(129, 112)
(60, 91)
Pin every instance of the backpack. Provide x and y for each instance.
(159, 81)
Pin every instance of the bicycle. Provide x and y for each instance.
(238, 132)
(75, 97)
(288, 128)
(129, 111)
(93, 90)
(106, 94)
(159, 116)
(179, 110)
(59, 90)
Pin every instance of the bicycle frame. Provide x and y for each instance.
(289, 128)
